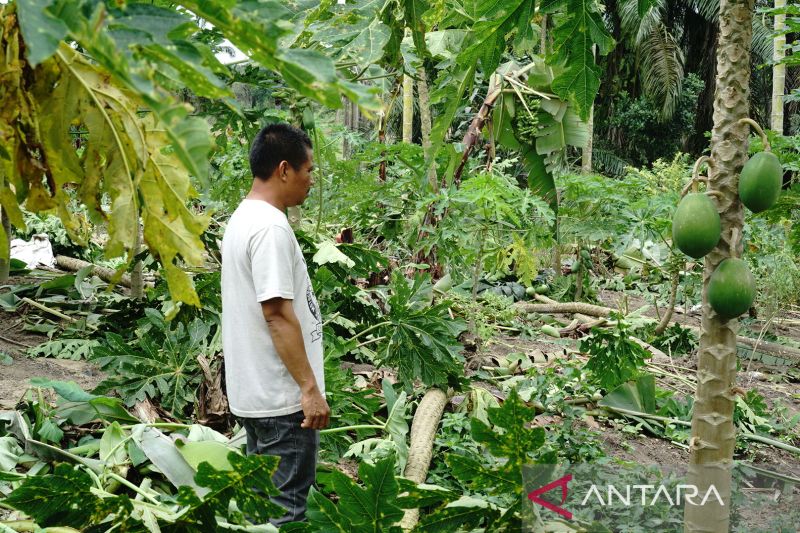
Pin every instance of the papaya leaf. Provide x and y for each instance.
(162, 367)
(465, 510)
(371, 508)
(64, 498)
(413, 496)
(510, 437)
(421, 338)
(513, 444)
(41, 30)
(248, 483)
(580, 29)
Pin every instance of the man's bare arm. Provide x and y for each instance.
(284, 328)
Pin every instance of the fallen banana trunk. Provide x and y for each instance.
(423, 430)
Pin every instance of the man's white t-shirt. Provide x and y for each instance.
(261, 259)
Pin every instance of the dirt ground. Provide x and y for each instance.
(14, 377)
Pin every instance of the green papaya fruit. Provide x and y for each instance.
(760, 181)
(731, 288)
(550, 330)
(696, 225)
(542, 289)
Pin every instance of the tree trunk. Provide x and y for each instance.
(137, 282)
(347, 119)
(543, 44)
(425, 121)
(476, 126)
(713, 435)
(106, 274)
(778, 71)
(423, 430)
(586, 159)
(408, 108)
(5, 262)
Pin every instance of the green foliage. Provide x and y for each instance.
(75, 349)
(676, 340)
(420, 335)
(509, 443)
(69, 497)
(160, 365)
(640, 136)
(64, 498)
(371, 508)
(246, 483)
(578, 32)
(614, 357)
(494, 223)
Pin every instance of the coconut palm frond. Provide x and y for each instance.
(762, 42)
(609, 163)
(635, 27)
(662, 70)
(708, 9)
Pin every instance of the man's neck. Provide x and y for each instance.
(265, 193)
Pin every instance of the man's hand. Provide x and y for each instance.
(315, 408)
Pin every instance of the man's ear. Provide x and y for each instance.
(282, 166)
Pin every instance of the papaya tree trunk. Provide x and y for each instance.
(713, 435)
(425, 121)
(423, 431)
(137, 281)
(543, 43)
(778, 71)
(5, 262)
(586, 153)
(408, 107)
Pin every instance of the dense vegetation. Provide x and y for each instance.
(502, 237)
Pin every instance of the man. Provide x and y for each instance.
(271, 323)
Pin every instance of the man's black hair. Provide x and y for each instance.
(276, 143)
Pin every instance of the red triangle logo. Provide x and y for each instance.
(560, 482)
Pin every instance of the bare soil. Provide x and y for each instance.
(14, 341)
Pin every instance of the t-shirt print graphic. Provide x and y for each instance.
(316, 333)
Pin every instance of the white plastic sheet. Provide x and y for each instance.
(37, 251)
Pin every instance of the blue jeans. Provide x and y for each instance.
(297, 447)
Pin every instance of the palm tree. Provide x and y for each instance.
(660, 44)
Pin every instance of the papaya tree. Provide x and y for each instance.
(115, 72)
(713, 435)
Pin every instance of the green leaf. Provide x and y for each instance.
(248, 483)
(580, 29)
(421, 338)
(64, 498)
(415, 496)
(211, 452)
(540, 181)
(328, 252)
(69, 390)
(561, 129)
(367, 47)
(9, 453)
(639, 395)
(370, 508)
(516, 441)
(111, 450)
(466, 513)
(163, 453)
(41, 30)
